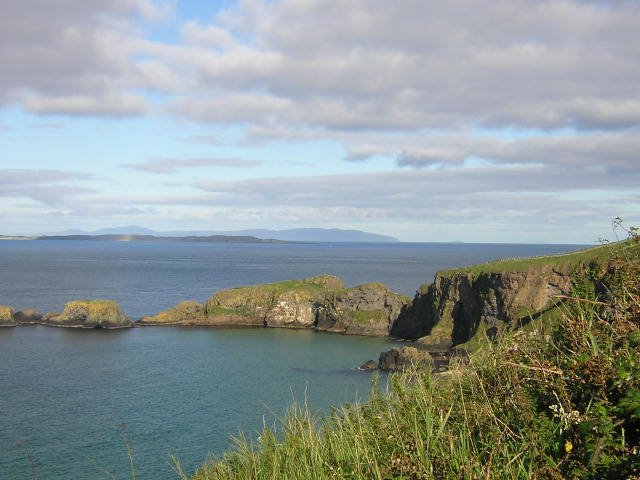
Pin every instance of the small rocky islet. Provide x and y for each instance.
(459, 307)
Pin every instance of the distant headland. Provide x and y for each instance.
(153, 238)
(137, 233)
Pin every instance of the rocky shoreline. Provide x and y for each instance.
(458, 307)
(321, 303)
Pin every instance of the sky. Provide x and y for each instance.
(464, 120)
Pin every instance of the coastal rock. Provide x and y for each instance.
(461, 304)
(30, 316)
(399, 359)
(320, 302)
(290, 303)
(90, 314)
(7, 318)
(185, 313)
(368, 309)
(369, 365)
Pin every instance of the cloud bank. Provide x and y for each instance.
(483, 111)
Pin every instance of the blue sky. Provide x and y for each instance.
(428, 121)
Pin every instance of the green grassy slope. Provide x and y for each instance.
(597, 254)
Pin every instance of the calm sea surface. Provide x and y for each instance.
(72, 402)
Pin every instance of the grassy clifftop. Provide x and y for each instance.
(562, 261)
(479, 301)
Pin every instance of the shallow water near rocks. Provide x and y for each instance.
(73, 401)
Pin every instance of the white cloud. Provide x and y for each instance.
(340, 65)
(46, 187)
(73, 57)
(410, 65)
(526, 108)
(172, 165)
(109, 105)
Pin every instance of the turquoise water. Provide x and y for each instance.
(72, 402)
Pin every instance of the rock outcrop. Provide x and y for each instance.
(30, 316)
(184, 313)
(369, 365)
(460, 304)
(368, 309)
(319, 302)
(90, 314)
(292, 303)
(399, 359)
(7, 318)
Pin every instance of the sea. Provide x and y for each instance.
(99, 404)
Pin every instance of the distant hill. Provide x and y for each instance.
(318, 235)
(126, 230)
(153, 238)
(292, 235)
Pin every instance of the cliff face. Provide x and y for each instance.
(460, 304)
(368, 309)
(319, 302)
(283, 304)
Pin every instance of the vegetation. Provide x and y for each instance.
(259, 295)
(543, 403)
(362, 317)
(6, 313)
(598, 254)
(93, 311)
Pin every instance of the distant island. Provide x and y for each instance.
(153, 238)
(291, 235)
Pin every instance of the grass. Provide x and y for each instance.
(308, 289)
(6, 313)
(559, 261)
(218, 311)
(107, 311)
(362, 317)
(318, 284)
(538, 403)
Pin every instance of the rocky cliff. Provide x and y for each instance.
(319, 302)
(457, 306)
(368, 309)
(486, 299)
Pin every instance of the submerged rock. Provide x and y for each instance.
(399, 359)
(7, 316)
(90, 314)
